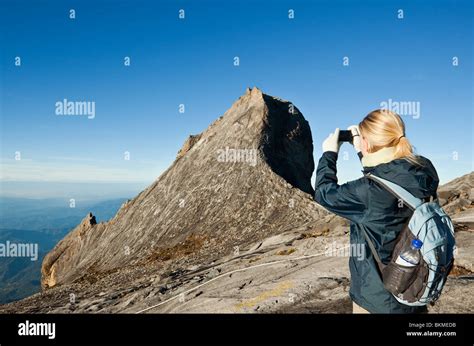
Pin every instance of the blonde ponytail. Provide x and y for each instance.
(383, 128)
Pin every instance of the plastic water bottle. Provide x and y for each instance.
(410, 257)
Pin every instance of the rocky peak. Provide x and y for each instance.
(246, 177)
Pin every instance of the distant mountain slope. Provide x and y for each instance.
(52, 215)
(49, 220)
(20, 277)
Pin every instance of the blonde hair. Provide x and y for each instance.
(383, 128)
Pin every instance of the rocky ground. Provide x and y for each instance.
(272, 276)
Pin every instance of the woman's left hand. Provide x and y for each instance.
(332, 142)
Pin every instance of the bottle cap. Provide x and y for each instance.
(416, 243)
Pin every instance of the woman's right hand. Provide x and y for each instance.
(356, 141)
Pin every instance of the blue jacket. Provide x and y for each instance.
(368, 206)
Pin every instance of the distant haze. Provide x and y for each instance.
(77, 191)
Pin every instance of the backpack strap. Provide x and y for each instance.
(411, 201)
(399, 192)
(380, 264)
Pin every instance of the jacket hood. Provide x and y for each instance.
(420, 180)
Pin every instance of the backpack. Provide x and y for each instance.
(423, 283)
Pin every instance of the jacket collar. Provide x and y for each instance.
(383, 155)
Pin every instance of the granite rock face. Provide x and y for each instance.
(61, 261)
(246, 177)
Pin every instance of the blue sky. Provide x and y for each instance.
(190, 62)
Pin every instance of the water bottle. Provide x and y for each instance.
(410, 257)
(398, 275)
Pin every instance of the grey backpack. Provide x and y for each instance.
(421, 284)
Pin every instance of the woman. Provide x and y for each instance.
(385, 152)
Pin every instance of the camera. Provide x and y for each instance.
(345, 136)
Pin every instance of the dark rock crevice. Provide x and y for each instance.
(287, 143)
